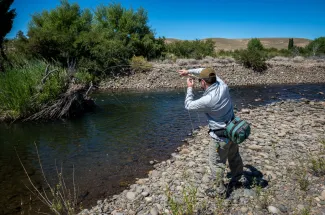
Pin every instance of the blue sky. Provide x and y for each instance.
(208, 18)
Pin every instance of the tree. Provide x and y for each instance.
(255, 45)
(317, 46)
(58, 34)
(290, 44)
(7, 17)
(119, 34)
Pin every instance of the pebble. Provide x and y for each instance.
(300, 207)
(273, 209)
(130, 195)
(245, 111)
(323, 194)
(283, 208)
(154, 211)
(244, 210)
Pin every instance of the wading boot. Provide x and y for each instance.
(220, 190)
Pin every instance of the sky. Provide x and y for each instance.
(199, 19)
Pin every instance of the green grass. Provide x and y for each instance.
(21, 91)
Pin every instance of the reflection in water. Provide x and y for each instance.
(112, 146)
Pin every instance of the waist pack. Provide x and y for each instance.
(238, 130)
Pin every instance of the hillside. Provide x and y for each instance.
(232, 44)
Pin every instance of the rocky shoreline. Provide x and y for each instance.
(280, 71)
(284, 159)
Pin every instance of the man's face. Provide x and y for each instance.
(202, 83)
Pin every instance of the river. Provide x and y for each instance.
(109, 148)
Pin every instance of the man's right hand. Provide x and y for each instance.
(183, 72)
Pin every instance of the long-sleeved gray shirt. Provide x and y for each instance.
(215, 103)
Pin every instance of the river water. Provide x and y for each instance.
(112, 146)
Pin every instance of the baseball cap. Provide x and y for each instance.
(207, 73)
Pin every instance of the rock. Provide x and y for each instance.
(130, 195)
(244, 210)
(184, 151)
(155, 174)
(145, 194)
(249, 193)
(206, 179)
(154, 211)
(254, 147)
(246, 111)
(323, 194)
(283, 208)
(151, 162)
(300, 207)
(191, 164)
(148, 199)
(273, 209)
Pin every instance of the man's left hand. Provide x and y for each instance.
(190, 82)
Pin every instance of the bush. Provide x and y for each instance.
(255, 45)
(317, 46)
(140, 64)
(197, 49)
(251, 59)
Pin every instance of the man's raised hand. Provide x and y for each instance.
(183, 72)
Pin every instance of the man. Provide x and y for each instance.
(217, 106)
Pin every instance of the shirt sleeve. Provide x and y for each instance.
(195, 71)
(199, 104)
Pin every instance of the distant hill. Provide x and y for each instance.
(232, 44)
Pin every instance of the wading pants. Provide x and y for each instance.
(219, 152)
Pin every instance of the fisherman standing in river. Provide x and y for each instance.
(217, 106)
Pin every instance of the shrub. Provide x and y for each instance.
(84, 77)
(197, 49)
(140, 64)
(318, 165)
(252, 59)
(317, 46)
(255, 45)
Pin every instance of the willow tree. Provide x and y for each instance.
(121, 33)
(57, 34)
(7, 16)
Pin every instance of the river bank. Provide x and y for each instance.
(281, 157)
(280, 71)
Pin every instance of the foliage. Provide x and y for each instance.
(58, 34)
(186, 205)
(254, 45)
(84, 77)
(251, 59)
(100, 42)
(197, 49)
(140, 64)
(317, 46)
(21, 91)
(318, 165)
(7, 17)
(290, 44)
